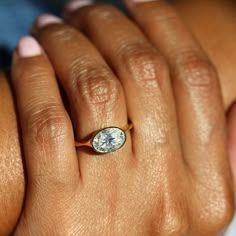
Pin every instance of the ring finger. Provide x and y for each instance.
(95, 94)
(145, 78)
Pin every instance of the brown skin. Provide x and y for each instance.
(171, 182)
(214, 25)
(14, 176)
(11, 168)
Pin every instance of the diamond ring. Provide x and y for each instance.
(107, 140)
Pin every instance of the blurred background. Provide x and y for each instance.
(16, 17)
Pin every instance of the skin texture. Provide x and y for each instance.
(216, 36)
(160, 169)
(16, 186)
(11, 166)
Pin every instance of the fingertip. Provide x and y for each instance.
(74, 5)
(44, 20)
(27, 47)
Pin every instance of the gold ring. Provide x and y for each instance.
(107, 140)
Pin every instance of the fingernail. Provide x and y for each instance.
(28, 47)
(46, 19)
(76, 4)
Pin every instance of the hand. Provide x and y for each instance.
(11, 168)
(172, 176)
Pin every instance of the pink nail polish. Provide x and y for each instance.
(28, 47)
(76, 4)
(46, 19)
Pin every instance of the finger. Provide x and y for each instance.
(12, 182)
(95, 94)
(197, 92)
(145, 79)
(198, 103)
(46, 129)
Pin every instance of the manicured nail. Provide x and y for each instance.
(46, 19)
(76, 4)
(28, 47)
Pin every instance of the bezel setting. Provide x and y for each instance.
(109, 139)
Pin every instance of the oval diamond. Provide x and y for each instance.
(109, 140)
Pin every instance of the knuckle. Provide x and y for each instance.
(175, 219)
(32, 75)
(224, 218)
(218, 208)
(155, 18)
(194, 71)
(219, 216)
(144, 64)
(100, 12)
(47, 124)
(95, 85)
(58, 32)
(175, 225)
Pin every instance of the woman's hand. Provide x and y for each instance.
(172, 177)
(11, 166)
